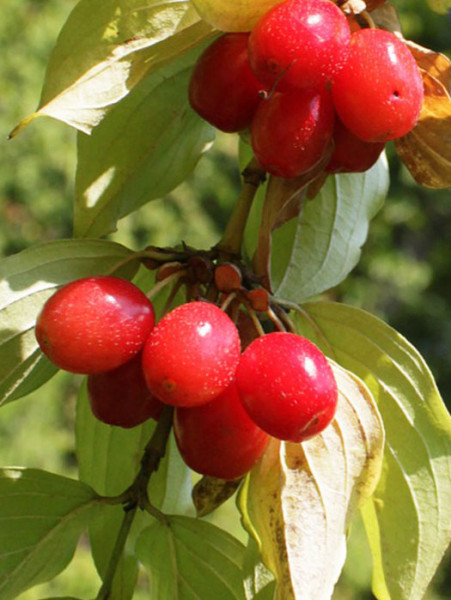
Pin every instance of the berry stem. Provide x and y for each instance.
(255, 320)
(231, 241)
(149, 254)
(172, 294)
(164, 282)
(311, 321)
(229, 299)
(288, 323)
(136, 496)
(368, 19)
(275, 319)
(127, 521)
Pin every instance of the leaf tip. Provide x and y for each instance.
(18, 128)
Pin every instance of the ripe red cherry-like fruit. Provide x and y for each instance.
(379, 92)
(300, 44)
(287, 386)
(219, 438)
(191, 355)
(223, 89)
(291, 132)
(120, 397)
(94, 324)
(351, 154)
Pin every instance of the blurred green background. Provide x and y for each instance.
(403, 276)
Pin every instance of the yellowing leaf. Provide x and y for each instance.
(239, 15)
(426, 150)
(440, 6)
(436, 65)
(300, 498)
(105, 48)
(409, 515)
(209, 493)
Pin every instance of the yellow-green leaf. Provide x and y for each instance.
(146, 146)
(239, 15)
(105, 48)
(408, 519)
(300, 498)
(440, 6)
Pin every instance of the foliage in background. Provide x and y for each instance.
(403, 275)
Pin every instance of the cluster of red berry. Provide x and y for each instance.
(227, 402)
(309, 89)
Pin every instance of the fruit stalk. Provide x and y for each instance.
(231, 241)
(127, 521)
(136, 496)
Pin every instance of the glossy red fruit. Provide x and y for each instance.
(120, 397)
(191, 355)
(291, 132)
(351, 154)
(287, 386)
(94, 324)
(379, 93)
(223, 89)
(300, 44)
(219, 438)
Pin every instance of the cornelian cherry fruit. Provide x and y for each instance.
(379, 92)
(291, 132)
(219, 438)
(287, 386)
(94, 324)
(191, 355)
(351, 154)
(300, 44)
(223, 89)
(120, 397)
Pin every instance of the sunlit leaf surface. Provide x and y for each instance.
(300, 498)
(408, 519)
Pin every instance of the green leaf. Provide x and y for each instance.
(27, 280)
(191, 559)
(408, 518)
(109, 459)
(299, 499)
(329, 234)
(42, 517)
(144, 148)
(170, 488)
(259, 582)
(105, 48)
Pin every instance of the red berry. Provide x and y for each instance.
(351, 154)
(219, 438)
(223, 89)
(379, 93)
(300, 44)
(291, 131)
(191, 355)
(287, 386)
(121, 397)
(94, 324)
